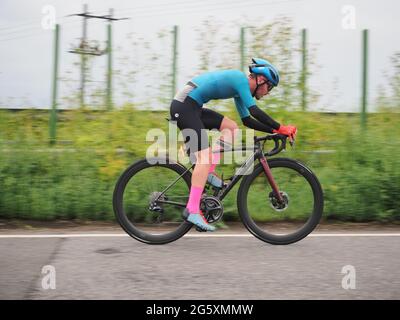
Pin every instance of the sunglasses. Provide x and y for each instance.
(270, 86)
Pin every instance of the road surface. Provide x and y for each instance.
(230, 264)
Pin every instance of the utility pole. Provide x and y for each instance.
(86, 49)
(83, 46)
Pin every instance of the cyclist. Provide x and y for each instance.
(188, 112)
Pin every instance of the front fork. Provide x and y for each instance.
(270, 178)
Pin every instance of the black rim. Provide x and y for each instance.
(135, 229)
(307, 226)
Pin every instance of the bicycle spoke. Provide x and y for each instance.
(142, 191)
(280, 218)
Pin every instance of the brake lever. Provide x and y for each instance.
(284, 144)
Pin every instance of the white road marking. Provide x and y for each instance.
(228, 235)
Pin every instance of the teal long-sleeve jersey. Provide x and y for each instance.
(223, 84)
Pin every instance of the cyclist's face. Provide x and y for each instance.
(262, 89)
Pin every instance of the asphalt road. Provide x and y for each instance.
(203, 267)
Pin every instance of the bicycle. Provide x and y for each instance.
(279, 202)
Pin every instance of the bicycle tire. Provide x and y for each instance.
(123, 220)
(312, 221)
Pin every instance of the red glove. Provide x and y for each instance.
(289, 131)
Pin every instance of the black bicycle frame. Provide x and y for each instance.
(257, 154)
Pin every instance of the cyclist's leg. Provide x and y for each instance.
(228, 128)
(189, 121)
(187, 115)
(199, 177)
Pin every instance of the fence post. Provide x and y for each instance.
(53, 112)
(109, 101)
(364, 78)
(242, 39)
(304, 70)
(174, 59)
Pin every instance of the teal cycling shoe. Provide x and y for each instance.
(214, 180)
(198, 220)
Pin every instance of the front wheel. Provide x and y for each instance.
(281, 222)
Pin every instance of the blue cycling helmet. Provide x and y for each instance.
(266, 69)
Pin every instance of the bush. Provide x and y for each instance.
(358, 170)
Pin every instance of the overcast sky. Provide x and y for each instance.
(26, 48)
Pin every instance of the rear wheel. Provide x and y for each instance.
(145, 209)
(283, 222)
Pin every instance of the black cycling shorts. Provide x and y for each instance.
(189, 115)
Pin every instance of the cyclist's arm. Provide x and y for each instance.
(264, 118)
(246, 106)
(256, 125)
(248, 121)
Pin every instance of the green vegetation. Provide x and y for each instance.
(359, 171)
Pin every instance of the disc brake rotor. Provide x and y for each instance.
(279, 205)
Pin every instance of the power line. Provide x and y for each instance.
(36, 27)
(186, 9)
(21, 29)
(151, 7)
(194, 10)
(147, 11)
(28, 25)
(169, 8)
(21, 24)
(189, 7)
(36, 33)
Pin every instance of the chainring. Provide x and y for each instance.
(212, 208)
